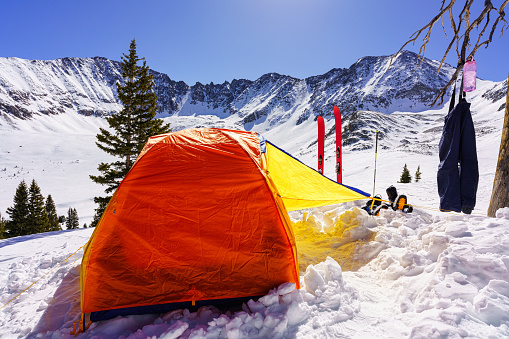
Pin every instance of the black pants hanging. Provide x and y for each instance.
(458, 171)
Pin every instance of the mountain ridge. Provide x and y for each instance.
(87, 86)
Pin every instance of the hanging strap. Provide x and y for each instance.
(453, 99)
(461, 87)
(462, 94)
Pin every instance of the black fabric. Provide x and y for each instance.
(458, 171)
(222, 304)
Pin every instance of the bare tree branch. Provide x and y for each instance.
(463, 40)
(429, 26)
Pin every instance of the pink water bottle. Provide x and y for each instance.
(469, 75)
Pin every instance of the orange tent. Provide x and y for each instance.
(197, 218)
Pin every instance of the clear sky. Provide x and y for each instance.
(221, 40)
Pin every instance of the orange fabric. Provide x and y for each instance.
(194, 219)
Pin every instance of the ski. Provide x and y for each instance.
(337, 118)
(321, 137)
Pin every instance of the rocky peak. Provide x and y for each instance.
(88, 86)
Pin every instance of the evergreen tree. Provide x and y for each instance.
(418, 174)
(51, 210)
(72, 221)
(130, 128)
(37, 216)
(101, 202)
(405, 175)
(3, 224)
(18, 223)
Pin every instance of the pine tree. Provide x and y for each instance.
(51, 210)
(101, 203)
(72, 221)
(3, 225)
(18, 223)
(37, 217)
(405, 176)
(130, 128)
(418, 174)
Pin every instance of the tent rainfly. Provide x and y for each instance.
(201, 218)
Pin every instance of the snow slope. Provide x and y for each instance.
(59, 152)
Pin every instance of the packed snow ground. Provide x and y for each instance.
(419, 275)
(422, 275)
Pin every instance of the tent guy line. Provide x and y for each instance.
(35, 282)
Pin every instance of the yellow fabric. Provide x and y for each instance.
(302, 187)
(337, 234)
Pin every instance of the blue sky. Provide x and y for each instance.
(221, 40)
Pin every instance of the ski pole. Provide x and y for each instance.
(374, 176)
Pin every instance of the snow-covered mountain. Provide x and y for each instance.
(88, 86)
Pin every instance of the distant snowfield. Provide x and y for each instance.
(59, 152)
(422, 275)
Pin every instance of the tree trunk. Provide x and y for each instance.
(500, 194)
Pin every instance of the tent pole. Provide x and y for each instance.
(374, 177)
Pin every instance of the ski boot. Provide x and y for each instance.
(374, 206)
(398, 202)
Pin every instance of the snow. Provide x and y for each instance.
(426, 274)
(422, 275)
